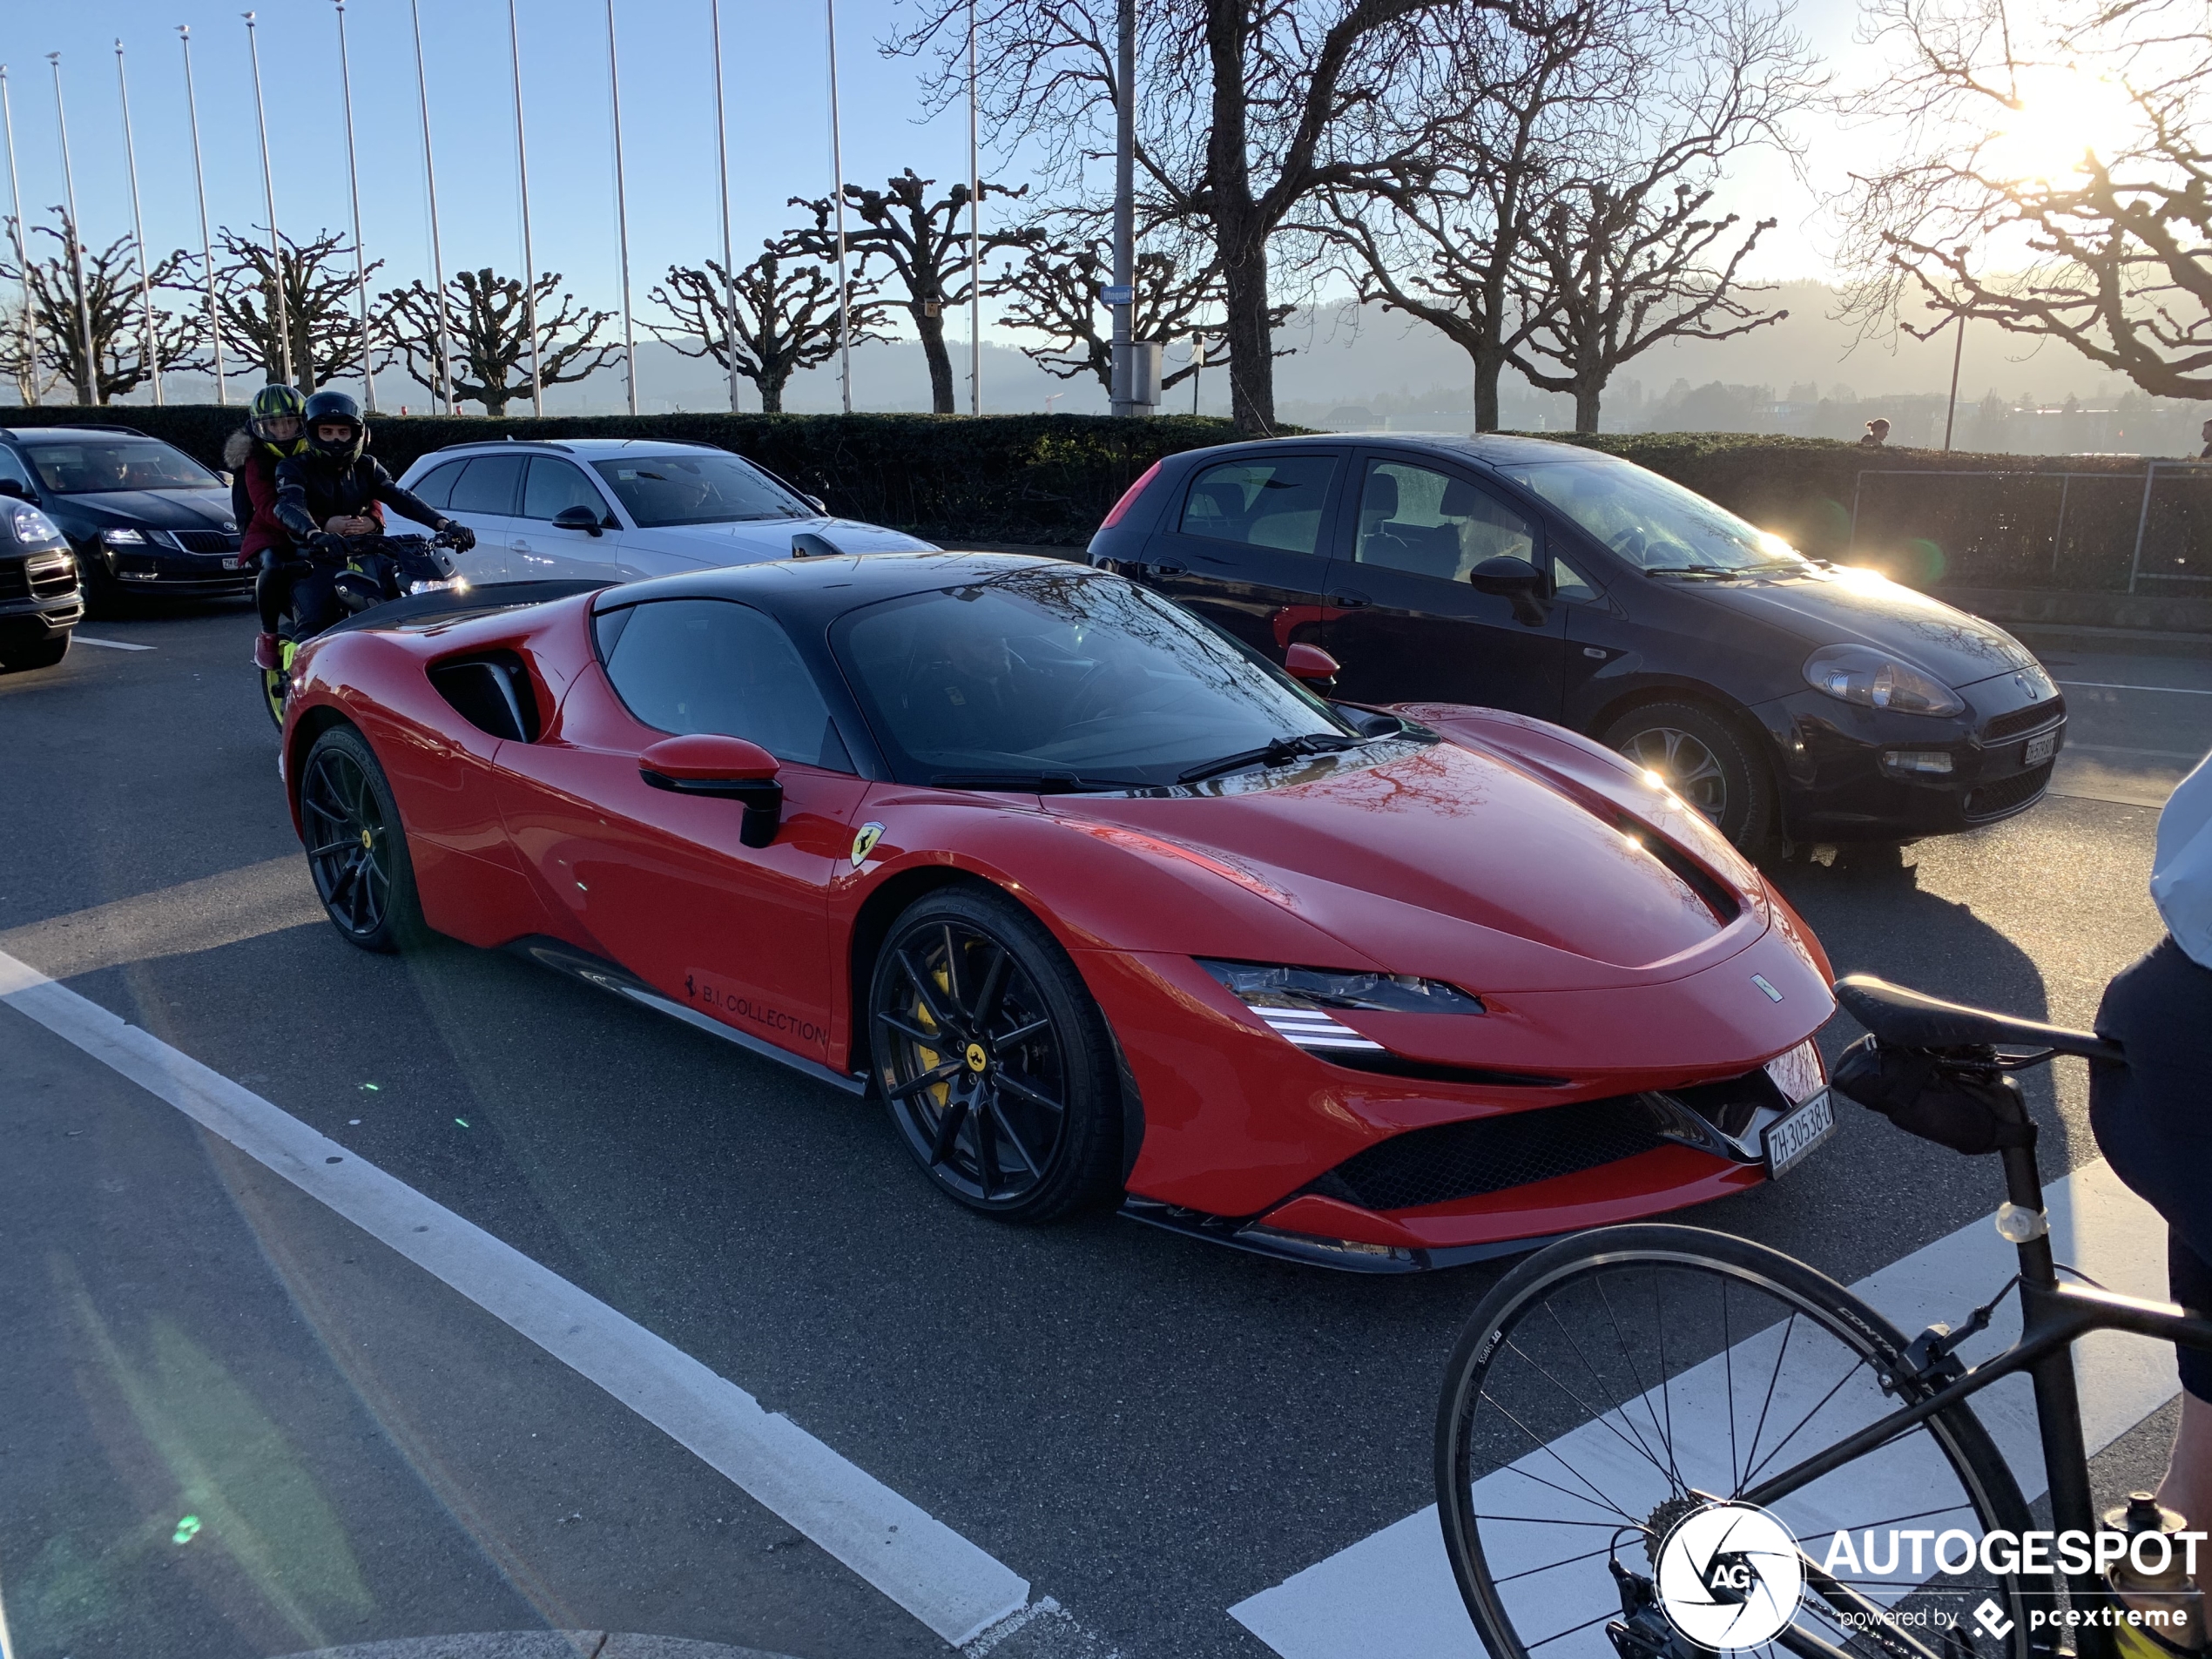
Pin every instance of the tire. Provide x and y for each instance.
(1021, 1120)
(356, 845)
(1706, 760)
(1552, 1403)
(43, 653)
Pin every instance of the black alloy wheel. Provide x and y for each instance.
(1705, 760)
(356, 847)
(993, 1059)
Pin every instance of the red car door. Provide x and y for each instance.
(660, 882)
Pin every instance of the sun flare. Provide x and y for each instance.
(2063, 118)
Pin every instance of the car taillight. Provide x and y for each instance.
(1129, 497)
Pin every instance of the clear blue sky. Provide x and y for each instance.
(776, 75)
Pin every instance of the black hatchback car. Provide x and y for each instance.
(1785, 696)
(141, 516)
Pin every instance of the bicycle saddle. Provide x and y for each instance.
(1906, 1019)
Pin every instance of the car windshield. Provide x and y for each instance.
(84, 466)
(1060, 677)
(1651, 522)
(702, 489)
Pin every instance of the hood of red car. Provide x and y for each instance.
(1449, 862)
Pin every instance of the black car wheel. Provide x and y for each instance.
(993, 1059)
(32, 653)
(356, 846)
(1704, 760)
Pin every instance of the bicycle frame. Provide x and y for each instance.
(2054, 1316)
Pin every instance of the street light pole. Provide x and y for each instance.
(88, 371)
(1951, 409)
(722, 160)
(837, 197)
(268, 191)
(353, 182)
(14, 226)
(522, 177)
(138, 231)
(207, 246)
(975, 237)
(1121, 300)
(437, 253)
(621, 209)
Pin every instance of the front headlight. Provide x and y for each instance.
(123, 538)
(1262, 985)
(32, 528)
(1875, 679)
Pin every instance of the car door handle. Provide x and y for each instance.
(1170, 567)
(1348, 598)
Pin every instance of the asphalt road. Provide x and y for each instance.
(232, 1424)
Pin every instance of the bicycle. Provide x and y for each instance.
(377, 569)
(1573, 1449)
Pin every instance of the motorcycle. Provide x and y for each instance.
(378, 570)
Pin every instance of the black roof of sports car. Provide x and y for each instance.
(815, 592)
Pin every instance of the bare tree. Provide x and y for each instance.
(786, 317)
(925, 243)
(489, 326)
(1249, 108)
(319, 285)
(2075, 155)
(20, 362)
(105, 312)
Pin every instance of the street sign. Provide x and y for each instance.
(1115, 294)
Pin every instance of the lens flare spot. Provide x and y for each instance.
(187, 1529)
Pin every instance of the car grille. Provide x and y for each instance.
(1464, 1160)
(2020, 720)
(205, 540)
(2002, 797)
(50, 576)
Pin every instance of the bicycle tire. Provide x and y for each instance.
(1541, 1280)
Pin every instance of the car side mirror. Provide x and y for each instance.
(578, 517)
(9, 487)
(1514, 579)
(805, 544)
(705, 763)
(1312, 664)
(817, 503)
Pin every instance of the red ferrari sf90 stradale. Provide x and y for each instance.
(1099, 904)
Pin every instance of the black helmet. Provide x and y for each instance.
(327, 409)
(273, 403)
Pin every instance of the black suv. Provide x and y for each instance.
(142, 515)
(40, 602)
(1781, 694)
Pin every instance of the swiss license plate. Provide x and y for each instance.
(2040, 749)
(1788, 1139)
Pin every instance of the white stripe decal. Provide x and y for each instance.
(1392, 1592)
(923, 1564)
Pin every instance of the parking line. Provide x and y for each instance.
(1392, 1592)
(111, 645)
(2107, 685)
(948, 1583)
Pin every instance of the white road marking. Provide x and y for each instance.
(111, 645)
(1392, 1592)
(946, 1582)
(2107, 685)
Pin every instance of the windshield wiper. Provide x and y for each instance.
(1720, 570)
(1310, 743)
(1031, 783)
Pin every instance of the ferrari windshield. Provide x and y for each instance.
(702, 487)
(1652, 521)
(86, 466)
(1058, 677)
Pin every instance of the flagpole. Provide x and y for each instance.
(207, 246)
(975, 237)
(437, 253)
(523, 175)
(722, 157)
(621, 208)
(88, 371)
(268, 191)
(837, 196)
(23, 262)
(138, 231)
(353, 183)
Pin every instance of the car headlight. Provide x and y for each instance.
(1295, 1000)
(123, 538)
(1877, 680)
(32, 528)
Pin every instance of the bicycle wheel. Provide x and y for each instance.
(1619, 1382)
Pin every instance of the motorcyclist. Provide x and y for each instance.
(327, 495)
(273, 430)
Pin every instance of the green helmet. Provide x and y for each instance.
(273, 403)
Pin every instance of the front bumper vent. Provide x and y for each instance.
(1464, 1160)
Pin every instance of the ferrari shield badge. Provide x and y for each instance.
(864, 843)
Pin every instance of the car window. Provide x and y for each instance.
(702, 487)
(487, 485)
(1434, 523)
(1567, 582)
(13, 469)
(553, 485)
(687, 666)
(1275, 503)
(436, 486)
(78, 467)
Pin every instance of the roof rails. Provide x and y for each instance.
(74, 426)
(543, 443)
